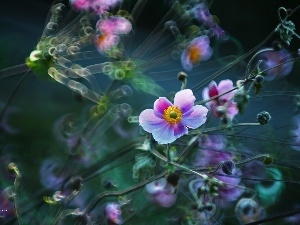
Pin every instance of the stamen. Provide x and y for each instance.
(173, 114)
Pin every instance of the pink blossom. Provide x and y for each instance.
(95, 6)
(161, 192)
(105, 42)
(113, 212)
(225, 100)
(198, 50)
(167, 122)
(114, 25)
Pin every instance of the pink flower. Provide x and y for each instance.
(198, 50)
(114, 25)
(95, 6)
(105, 42)
(225, 100)
(167, 122)
(161, 192)
(113, 212)
(80, 5)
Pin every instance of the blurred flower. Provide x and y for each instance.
(114, 25)
(161, 192)
(296, 133)
(167, 122)
(105, 42)
(51, 173)
(95, 6)
(202, 14)
(274, 58)
(223, 105)
(113, 212)
(7, 209)
(198, 50)
(210, 155)
(110, 29)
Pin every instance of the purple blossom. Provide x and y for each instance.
(225, 100)
(211, 154)
(296, 133)
(51, 173)
(113, 212)
(198, 50)
(114, 25)
(167, 122)
(202, 14)
(273, 58)
(161, 192)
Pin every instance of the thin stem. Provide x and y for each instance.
(100, 196)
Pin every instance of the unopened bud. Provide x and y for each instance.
(263, 117)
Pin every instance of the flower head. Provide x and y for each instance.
(161, 192)
(223, 102)
(114, 25)
(274, 59)
(95, 6)
(202, 14)
(296, 133)
(113, 212)
(198, 50)
(167, 122)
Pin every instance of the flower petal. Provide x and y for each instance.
(195, 117)
(160, 105)
(232, 110)
(224, 86)
(180, 130)
(184, 100)
(164, 135)
(212, 89)
(149, 121)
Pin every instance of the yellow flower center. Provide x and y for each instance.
(194, 54)
(172, 114)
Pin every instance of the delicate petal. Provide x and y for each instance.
(195, 117)
(212, 89)
(105, 42)
(149, 121)
(205, 94)
(114, 25)
(160, 105)
(179, 130)
(184, 100)
(232, 110)
(165, 199)
(198, 50)
(156, 186)
(164, 135)
(223, 87)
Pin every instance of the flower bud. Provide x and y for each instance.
(263, 117)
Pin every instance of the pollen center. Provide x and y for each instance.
(194, 54)
(172, 114)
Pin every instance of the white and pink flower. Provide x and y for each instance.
(167, 122)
